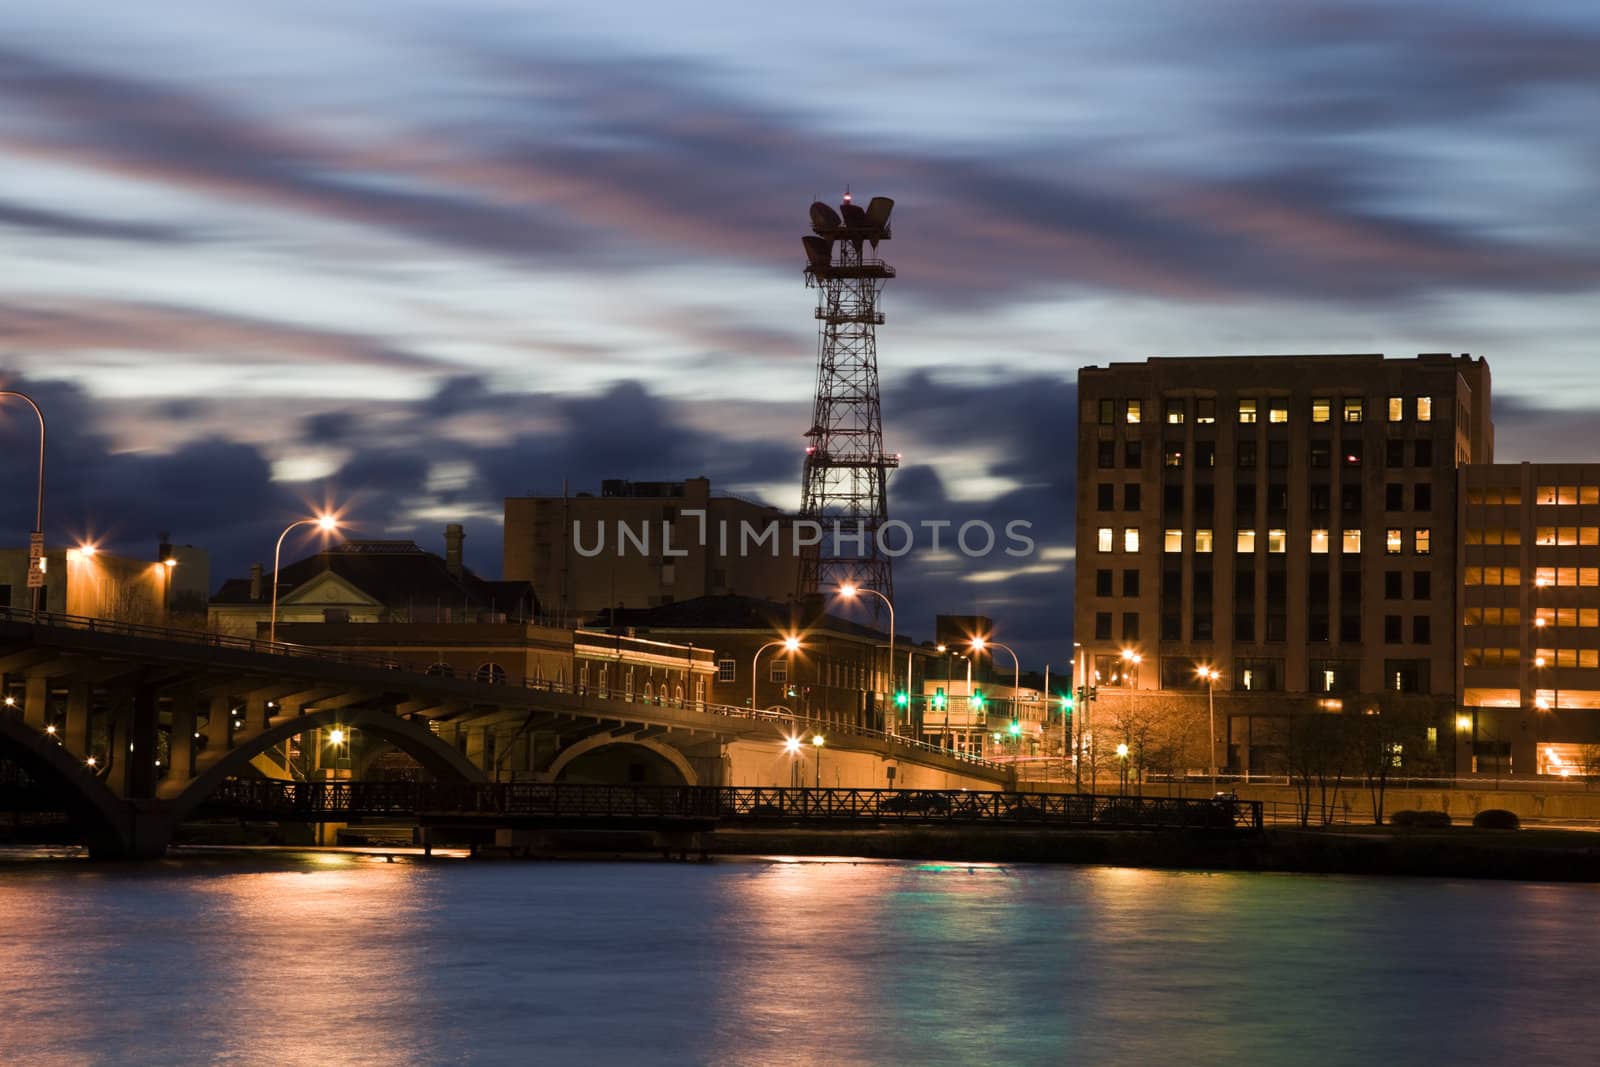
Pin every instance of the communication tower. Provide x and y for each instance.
(847, 471)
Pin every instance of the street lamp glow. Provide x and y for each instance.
(1463, 723)
(817, 739)
(92, 762)
(790, 644)
(169, 563)
(327, 522)
(850, 590)
(336, 736)
(978, 644)
(87, 549)
(791, 745)
(1122, 751)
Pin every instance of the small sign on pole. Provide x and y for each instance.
(36, 560)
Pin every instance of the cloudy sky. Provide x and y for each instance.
(418, 256)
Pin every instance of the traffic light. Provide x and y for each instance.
(1066, 702)
(976, 700)
(1016, 728)
(902, 699)
(938, 699)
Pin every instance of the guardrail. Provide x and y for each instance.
(207, 639)
(727, 805)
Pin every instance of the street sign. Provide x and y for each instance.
(36, 560)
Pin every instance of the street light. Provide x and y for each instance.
(791, 746)
(817, 742)
(1131, 659)
(1122, 768)
(790, 645)
(1211, 674)
(327, 522)
(849, 591)
(38, 508)
(981, 643)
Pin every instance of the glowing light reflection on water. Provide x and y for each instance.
(352, 959)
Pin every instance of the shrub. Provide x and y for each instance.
(1430, 820)
(1496, 819)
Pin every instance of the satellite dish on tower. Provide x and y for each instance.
(854, 214)
(819, 252)
(823, 217)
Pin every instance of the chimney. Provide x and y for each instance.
(453, 536)
(255, 581)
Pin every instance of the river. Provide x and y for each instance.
(335, 958)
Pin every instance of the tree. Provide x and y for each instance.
(1317, 750)
(1389, 735)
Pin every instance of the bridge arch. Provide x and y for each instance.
(590, 745)
(413, 738)
(98, 813)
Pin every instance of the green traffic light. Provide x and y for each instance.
(902, 699)
(977, 699)
(1016, 727)
(1066, 703)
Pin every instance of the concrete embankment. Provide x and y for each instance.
(1460, 852)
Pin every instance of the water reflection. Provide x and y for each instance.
(347, 959)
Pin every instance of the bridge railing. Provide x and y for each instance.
(209, 639)
(734, 805)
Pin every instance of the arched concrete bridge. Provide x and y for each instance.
(129, 728)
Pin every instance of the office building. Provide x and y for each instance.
(1288, 521)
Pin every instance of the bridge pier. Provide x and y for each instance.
(77, 733)
(180, 743)
(34, 698)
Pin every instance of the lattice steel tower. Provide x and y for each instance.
(847, 472)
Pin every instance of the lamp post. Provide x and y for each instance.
(817, 741)
(791, 746)
(790, 644)
(38, 507)
(1130, 662)
(1122, 769)
(1553, 705)
(1211, 674)
(327, 523)
(849, 591)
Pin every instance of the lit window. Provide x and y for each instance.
(1278, 411)
(1566, 535)
(1422, 541)
(1247, 411)
(778, 671)
(1393, 541)
(1589, 494)
(1175, 412)
(1130, 538)
(1277, 541)
(1172, 457)
(1352, 541)
(1567, 494)
(1321, 409)
(1546, 494)
(1205, 410)
(1245, 540)
(1105, 539)
(1544, 535)
(1319, 542)
(1397, 408)
(1202, 540)
(1424, 409)
(1135, 410)
(726, 670)
(1172, 541)
(1353, 409)
(1589, 535)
